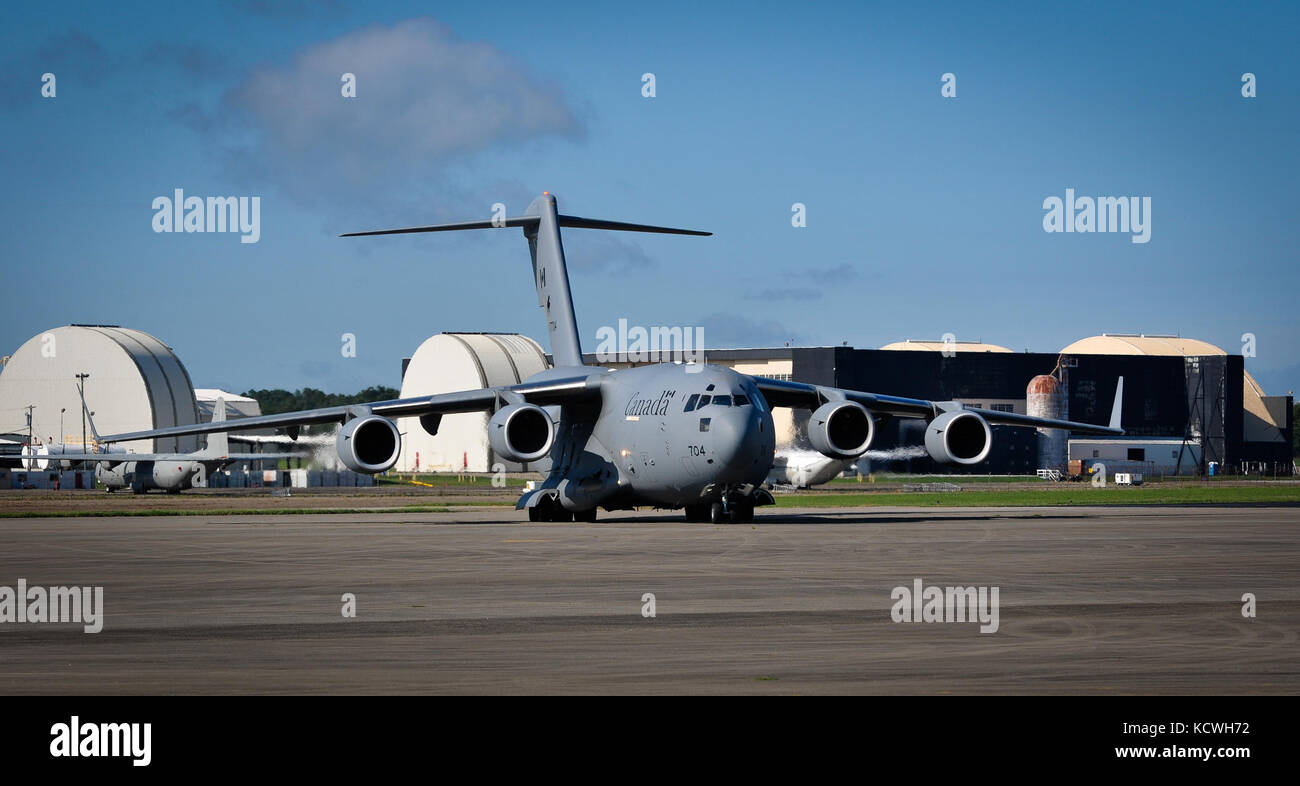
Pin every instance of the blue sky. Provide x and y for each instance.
(924, 214)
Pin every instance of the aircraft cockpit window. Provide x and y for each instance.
(742, 400)
(690, 402)
(722, 401)
(704, 402)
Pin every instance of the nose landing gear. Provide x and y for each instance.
(737, 510)
(548, 508)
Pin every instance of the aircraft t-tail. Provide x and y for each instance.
(671, 436)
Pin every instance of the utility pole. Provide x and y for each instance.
(81, 386)
(31, 447)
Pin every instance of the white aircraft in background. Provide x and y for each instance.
(170, 472)
(803, 469)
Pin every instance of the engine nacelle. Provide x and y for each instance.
(841, 429)
(369, 444)
(960, 436)
(521, 433)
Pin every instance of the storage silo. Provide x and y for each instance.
(1044, 399)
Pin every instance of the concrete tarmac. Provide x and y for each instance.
(1092, 600)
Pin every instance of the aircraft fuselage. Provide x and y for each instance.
(667, 435)
(141, 476)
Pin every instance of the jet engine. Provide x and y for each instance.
(961, 436)
(841, 429)
(369, 444)
(521, 432)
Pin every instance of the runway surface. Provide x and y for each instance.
(1092, 600)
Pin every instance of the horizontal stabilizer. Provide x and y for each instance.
(596, 223)
(532, 221)
(522, 221)
(542, 222)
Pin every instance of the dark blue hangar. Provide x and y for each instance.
(1188, 407)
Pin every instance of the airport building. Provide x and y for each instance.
(237, 406)
(1186, 403)
(449, 362)
(133, 382)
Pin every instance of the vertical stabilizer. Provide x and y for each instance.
(90, 420)
(218, 443)
(1118, 406)
(551, 277)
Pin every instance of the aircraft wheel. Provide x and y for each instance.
(549, 509)
(585, 515)
(717, 515)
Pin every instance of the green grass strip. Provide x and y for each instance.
(59, 514)
(1085, 495)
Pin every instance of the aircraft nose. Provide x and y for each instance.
(744, 444)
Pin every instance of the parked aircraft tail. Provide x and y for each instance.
(218, 443)
(1118, 405)
(89, 420)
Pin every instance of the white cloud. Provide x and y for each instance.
(423, 98)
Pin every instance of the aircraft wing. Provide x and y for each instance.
(782, 393)
(114, 458)
(556, 391)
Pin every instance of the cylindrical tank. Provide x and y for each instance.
(1044, 399)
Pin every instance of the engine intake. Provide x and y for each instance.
(369, 444)
(521, 432)
(961, 437)
(841, 429)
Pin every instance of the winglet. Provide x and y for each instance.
(1118, 405)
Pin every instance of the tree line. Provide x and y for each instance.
(275, 401)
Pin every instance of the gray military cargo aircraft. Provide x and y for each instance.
(170, 472)
(671, 435)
